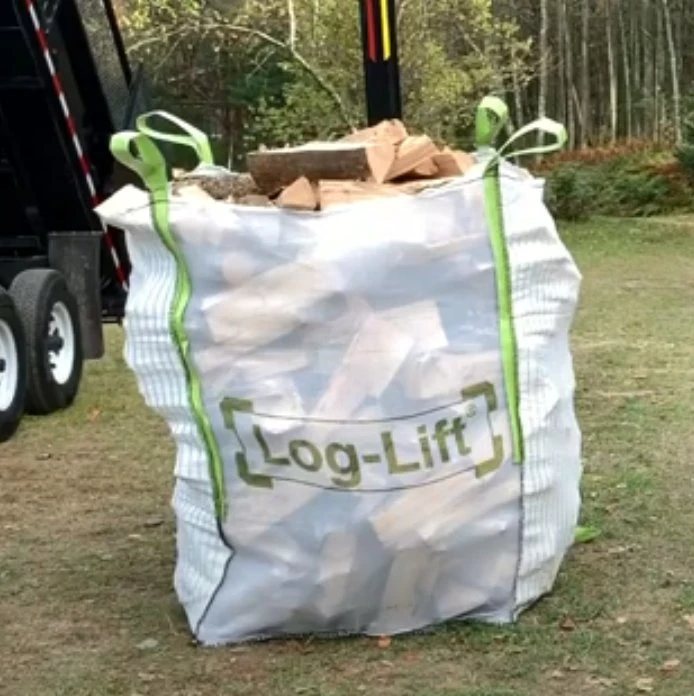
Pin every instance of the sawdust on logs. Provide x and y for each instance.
(228, 187)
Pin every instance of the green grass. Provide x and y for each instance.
(87, 554)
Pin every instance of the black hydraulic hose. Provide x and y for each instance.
(118, 40)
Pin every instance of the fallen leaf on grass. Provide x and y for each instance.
(567, 624)
(618, 550)
(584, 535)
(600, 681)
(689, 618)
(557, 674)
(384, 642)
(621, 620)
(94, 414)
(644, 685)
(148, 644)
(670, 665)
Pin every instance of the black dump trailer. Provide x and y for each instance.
(65, 87)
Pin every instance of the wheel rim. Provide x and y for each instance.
(9, 366)
(61, 343)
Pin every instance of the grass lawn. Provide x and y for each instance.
(86, 547)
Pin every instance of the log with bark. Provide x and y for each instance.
(272, 170)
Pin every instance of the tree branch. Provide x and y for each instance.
(288, 47)
(400, 12)
(157, 38)
(297, 57)
(291, 13)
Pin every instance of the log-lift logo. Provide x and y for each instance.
(448, 440)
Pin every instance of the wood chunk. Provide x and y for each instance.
(450, 163)
(272, 170)
(301, 195)
(238, 267)
(391, 131)
(414, 187)
(256, 200)
(370, 364)
(269, 305)
(412, 153)
(341, 192)
(426, 169)
(422, 321)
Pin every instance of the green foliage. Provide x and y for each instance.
(685, 151)
(584, 535)
(685, 155)
(570, 193)
(639, 194)
(630, 183)
(271, 72)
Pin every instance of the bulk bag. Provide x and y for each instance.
(372, 405)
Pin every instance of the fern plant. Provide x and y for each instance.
(685, 151)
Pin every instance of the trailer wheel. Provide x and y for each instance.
(13, 367)
(51, 323)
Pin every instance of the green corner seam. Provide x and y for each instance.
(149, 164)
(182, 295)
(507, 329)
(491, 117)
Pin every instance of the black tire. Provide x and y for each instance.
(13, 367)
(51, 322)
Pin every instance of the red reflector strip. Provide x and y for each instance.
(72, 128)
(372, 41)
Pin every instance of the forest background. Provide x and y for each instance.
(618, 73)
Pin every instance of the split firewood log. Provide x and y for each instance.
(300, 195)
(272, 170)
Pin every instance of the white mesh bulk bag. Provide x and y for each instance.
(372, 405)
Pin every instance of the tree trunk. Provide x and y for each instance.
(637, 71)
(560, 94)
(612, 65)
(674, 72)
(569, 70)
(627, 73)
(585, 74)
(657, 76)
(517, 93)
(542, 94)
(648, 97)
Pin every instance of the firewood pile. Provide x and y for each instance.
(384, 160)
